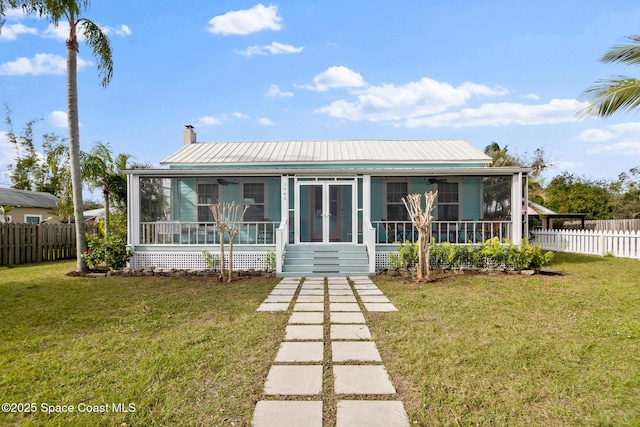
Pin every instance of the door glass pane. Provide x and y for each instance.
(311, 213)
(340, 206)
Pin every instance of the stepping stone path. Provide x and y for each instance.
(357, 369)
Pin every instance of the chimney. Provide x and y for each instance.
(188, 136)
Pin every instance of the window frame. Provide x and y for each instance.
(198, 205)
(394, 203)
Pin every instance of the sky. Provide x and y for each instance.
(511, 72)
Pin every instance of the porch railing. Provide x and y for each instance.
(204, 233)
(443, 231)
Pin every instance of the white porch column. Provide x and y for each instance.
(133, 208)
(516, 208)
(368, 237)
(282, 234)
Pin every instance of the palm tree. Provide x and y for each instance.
(102, 171)
(96, 38)
(617, 94)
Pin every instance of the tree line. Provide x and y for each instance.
(568, 193)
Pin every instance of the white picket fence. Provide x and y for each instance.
(624, 244)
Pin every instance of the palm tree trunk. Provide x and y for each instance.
(74, 144)
(107, 226)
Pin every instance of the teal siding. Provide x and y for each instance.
(273, 199)
(184, 200)
(471, 198)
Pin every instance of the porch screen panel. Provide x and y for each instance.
(207, 196)
(155, 199)
(496, 197)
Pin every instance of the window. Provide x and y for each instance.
(448, 201)
(32, 219)
(253, 194)
(207, 196)
(396, 211)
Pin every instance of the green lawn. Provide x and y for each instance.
(492, 350)
(518, 351)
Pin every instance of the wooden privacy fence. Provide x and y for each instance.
(624, 244)
(605, 224)
(26, 243)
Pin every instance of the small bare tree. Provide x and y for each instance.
(228, 219)
(421, 219)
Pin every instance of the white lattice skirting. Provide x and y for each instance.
(195, 260)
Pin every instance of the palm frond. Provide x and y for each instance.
(611, 95)
(100, 45)
(627, 54)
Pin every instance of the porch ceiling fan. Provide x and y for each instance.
(223, 181)
(437, 180)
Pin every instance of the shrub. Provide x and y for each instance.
(407, 256)
(212, 261)
(108, 252)
(492, 254)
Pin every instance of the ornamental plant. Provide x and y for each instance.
(110, 252)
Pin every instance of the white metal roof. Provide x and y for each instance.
(327, 152)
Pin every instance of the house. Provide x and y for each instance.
(321, 207)
(26, 206)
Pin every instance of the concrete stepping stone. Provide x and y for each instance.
(364, 287)
(309, 306)
(304, 332)
(294, 380)
(287, 413)
(339, 286)
(350, 332)
(347, 317)
(379, 307)
(283, 292)
(311, 292)
(273, 306)
(370, 292)
(359, 351)
(312, 351)
(342, 298)
(311, 298)
(313, 286)
(362, 379)
(287, 286)
(374, 298)
(340, 292)
(371, 413)
(343, 306)
(279, 298)
(307, 318)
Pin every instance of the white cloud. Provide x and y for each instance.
(335, 77)
(412, 100)
(274, 91)
(595, 135)
(532, 96)
(274, 48)
(265, 122)
(209, 121)
(58, 119)
(11, 32)
(61, 31)
(212, 120)
(503, 114)
(15, 14)
(41, 63)
(622, 138)
(122, 30)
(242, 22)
